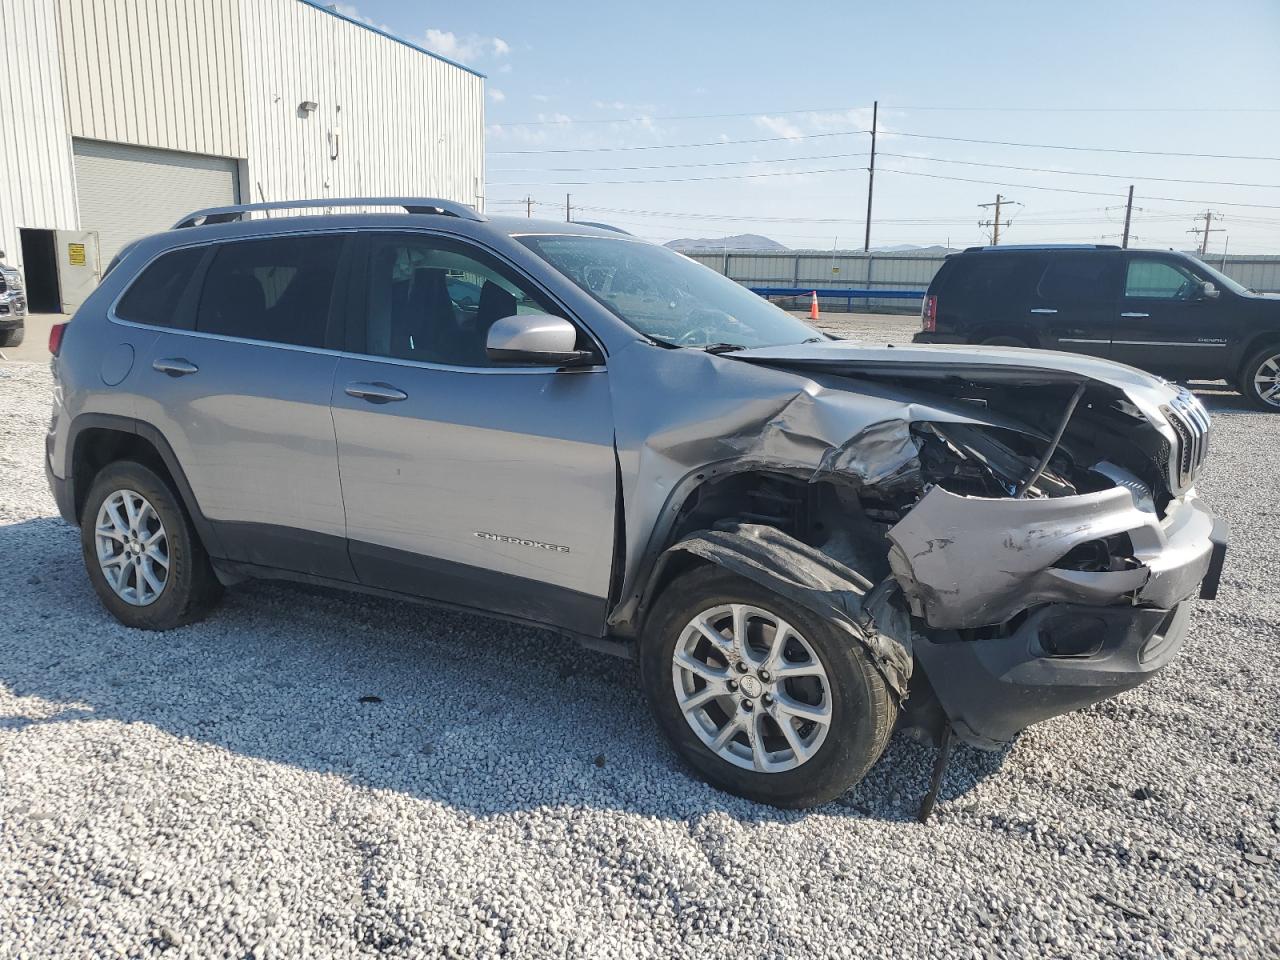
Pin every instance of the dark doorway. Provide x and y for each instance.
(40, 269)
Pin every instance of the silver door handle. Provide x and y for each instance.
(1043, 310)
(375, 392)
(1135, 314)
(174, 366)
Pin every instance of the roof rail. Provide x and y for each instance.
(1043, 246)
(448, 208)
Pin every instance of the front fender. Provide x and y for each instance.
(811, 578)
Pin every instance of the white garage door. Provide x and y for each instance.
(126, 192)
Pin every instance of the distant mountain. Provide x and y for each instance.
(743, 241)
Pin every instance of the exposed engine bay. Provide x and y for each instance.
(992, 505)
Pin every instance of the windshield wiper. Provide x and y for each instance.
(723, 347)
(814, 340)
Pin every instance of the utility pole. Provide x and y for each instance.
(994, 223)
(528, 207)
(1128, 216)
(871, 173)
(1208, 228)
(566, 208)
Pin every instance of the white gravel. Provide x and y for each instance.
(222, 790)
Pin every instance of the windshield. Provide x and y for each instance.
(668, 297)
(1218, 277)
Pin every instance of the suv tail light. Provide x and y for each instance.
(56, 333)
(929, 314)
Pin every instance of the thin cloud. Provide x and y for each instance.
(464, 48)
(496, 95)
(779, 126)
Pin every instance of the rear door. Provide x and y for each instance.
(241, 392)
(487, 486)
(1165, 323)
(1073, 303)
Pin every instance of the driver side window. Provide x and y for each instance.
(427, 299)
(1158, 280)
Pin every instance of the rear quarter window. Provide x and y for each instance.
(983, 277)
(154, 297)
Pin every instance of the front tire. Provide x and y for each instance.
(759, 695)
(143, 556)
(1260, 379)
(14, 337)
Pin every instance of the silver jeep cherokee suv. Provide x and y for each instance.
(805, 541)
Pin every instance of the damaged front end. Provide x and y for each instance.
(1021, 527)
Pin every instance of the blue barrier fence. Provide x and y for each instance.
(847, 295)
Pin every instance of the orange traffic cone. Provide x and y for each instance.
(813, 306)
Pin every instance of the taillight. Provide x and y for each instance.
(56, 333)
(929, 315)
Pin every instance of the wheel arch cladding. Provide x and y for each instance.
(811, 578)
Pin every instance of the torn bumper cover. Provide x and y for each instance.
(966, 563)
(973, 562)
(812, 579)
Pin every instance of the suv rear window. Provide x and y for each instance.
(276, 290)
(1080, 278)
(983, 277)
(154, 296)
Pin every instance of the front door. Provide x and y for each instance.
(1165, 322)
(487, 486)
(1073, 305)
(243, 399)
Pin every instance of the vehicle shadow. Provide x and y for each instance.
(476, 714)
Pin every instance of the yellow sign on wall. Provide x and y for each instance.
(75, 254)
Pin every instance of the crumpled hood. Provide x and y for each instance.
(1007, 365)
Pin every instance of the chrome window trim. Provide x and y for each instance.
(1079, 340)
(349, 355)
(113, 317)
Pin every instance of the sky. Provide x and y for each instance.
(640, 112)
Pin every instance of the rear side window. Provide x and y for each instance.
(984, 277)
(156, 294)
(1082, 278)
(277, 289)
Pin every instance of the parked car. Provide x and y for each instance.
(804, 541)
(1158, 310)
(13, 306)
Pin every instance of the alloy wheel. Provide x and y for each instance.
(132, 548)
(1266, 380)
(751, 688)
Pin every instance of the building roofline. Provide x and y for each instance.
(326, 8)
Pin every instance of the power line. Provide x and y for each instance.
(723, 176)
(673, 166)
(903, 133)
(1081, 173)
(1086, 193)
(676, 146)
(649, 118)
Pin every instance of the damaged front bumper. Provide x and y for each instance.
(1016, 638)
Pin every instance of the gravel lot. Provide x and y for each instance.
(235, 789)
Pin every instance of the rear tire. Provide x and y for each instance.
(14, 337)
(1260, 379)
(810, 766)
(142, 553)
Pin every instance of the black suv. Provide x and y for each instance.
(1159, 310)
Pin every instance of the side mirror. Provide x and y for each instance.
(1209, 291)
(535, 338)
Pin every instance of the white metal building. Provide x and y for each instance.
(119, 116)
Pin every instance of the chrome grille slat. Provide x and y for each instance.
(1190, 421)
